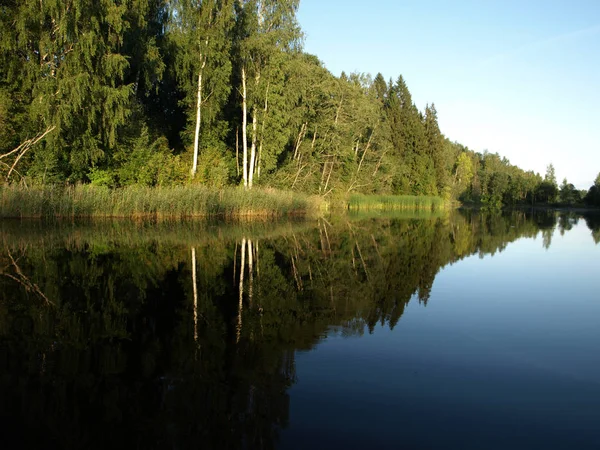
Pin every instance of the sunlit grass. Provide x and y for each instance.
(139, 202)
(359, 202)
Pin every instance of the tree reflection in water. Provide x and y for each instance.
(112, 336)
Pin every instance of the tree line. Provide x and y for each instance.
(220, 92)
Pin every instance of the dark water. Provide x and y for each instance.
(471, 331)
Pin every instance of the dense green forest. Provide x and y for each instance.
(220, 92)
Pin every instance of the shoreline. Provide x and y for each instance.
(574, 209)
(229, 204)
(191, 202)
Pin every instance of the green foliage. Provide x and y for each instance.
(128, 83)
(150, 164)
(69, 66)
(200, 36)
(547, 192)
(101, 177)
(550, 175)
(463, 174)
(568, 193)
(592, 197)
(215, 168)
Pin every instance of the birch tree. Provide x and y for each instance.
(201, 31)
(265, 27)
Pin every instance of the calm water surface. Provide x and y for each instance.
(460, 331)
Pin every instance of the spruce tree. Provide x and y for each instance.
(436, 148)
(70, 64)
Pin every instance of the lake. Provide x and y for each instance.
(461, 330)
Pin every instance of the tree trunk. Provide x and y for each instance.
(364, 153)
(379, 163)
(339, 109)
(237, 151)
(253, 148)
(328, 177)
(254, 136)
(244, 131)
(322, 177)
(303, 129)
(198, 119)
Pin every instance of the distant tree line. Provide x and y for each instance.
(220, 92)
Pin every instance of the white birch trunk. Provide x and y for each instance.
(254, 136)
(365, 152)
(198, 119)
(244, 131)
(253, 147)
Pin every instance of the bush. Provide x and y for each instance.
(215, 168)
(151, 164)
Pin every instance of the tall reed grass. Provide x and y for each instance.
(139, 202)
(358, 202)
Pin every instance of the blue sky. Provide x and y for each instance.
(521, 78)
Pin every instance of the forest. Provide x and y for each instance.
(220, 93)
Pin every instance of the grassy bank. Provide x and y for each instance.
(138, 202)
(192, 201)
(359, 202)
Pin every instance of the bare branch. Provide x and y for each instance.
(16, 171)
(22, 149)
(23, 280)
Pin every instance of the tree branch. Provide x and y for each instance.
(22, 149)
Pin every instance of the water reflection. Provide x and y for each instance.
(593, 223)
(118, 335)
